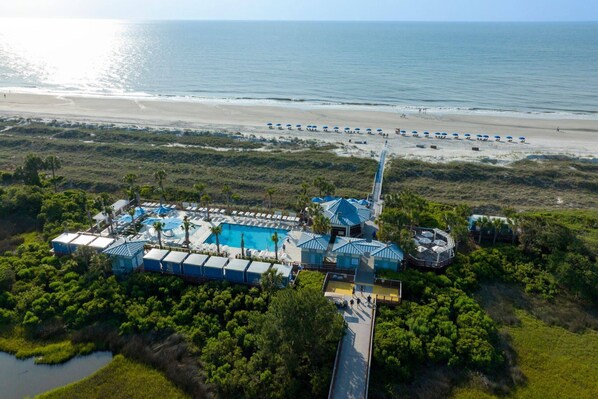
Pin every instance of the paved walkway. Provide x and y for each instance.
(351, 377)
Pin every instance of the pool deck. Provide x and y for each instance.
(201, 233)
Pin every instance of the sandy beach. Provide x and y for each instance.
(576, 137)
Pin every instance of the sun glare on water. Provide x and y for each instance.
(83, 54)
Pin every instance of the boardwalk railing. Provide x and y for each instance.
(367, 380)
(339, 348)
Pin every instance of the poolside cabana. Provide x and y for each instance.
(234, 271)
(193, 265)
(285, 271)
(173, 262)
(255, 270)
(388, 257)
(346, 218)
(313, 248)
(126, 255)
(214, 267)
(152, 261)
(60, 245)
(82, 241)
(101, 243)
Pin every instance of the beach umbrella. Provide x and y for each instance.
(467, 135)
(298, 126)
(357, 129)
(317, 200)
(426, 133)
(425, 241)
(328, 198)
(269, 124)
(289, 125)
(428, 234)
(497, 138)
(444, 133)
(162, 210)
(171, 223)
(368, 130)
(486, 137)
(379, 130)
(125, 219)
(509, 138)
(522, 139)
(336, 128)
(455, 135)
(414, 132)
(325, 128)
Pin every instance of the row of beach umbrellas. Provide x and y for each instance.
(466, 136)
(314, 128)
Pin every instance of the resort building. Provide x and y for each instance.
(388, 257)
(101, 243)
(126, 255)
(313, 248)
(347, 217)
(348, 253)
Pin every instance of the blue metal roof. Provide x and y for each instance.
(313, 241)
(125, 248)
(342, 212)
(349, 246)
(258, 267)
(390, 251)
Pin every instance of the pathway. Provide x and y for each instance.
(377, 189)
(351, 377)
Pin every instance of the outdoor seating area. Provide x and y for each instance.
(434, 248)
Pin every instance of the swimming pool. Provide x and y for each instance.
(255, 237)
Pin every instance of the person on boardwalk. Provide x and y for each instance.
(351, 302)
(358, 301)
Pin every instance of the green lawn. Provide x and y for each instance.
(121, 378)
(555, 362)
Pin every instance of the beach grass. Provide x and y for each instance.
(555, 362)
(14, 341)
(96, 160)
(558, 182)
(121, 378)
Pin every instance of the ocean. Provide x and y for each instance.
(539, 68)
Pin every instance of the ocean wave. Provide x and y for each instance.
(308, 103)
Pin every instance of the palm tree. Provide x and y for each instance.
(321, 224)
(199, 190)
(187, 225)
(205, 202)
(130, 179)
(270, 192)
(318, 183)
(242, 245)
(227, 193)
(498, 225)
(482, 224)
(160, 175)
(158, 226)
(275, 240)
(108, 213)
(52, 162)
(271, 281)
(216, 230)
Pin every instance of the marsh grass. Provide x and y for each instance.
(121, 378)
(14, 341)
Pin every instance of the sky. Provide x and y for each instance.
(353, 10)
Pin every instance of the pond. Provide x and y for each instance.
(21, 378)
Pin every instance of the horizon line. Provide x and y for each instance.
(300, 20)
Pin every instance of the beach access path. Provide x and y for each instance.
(352, 372)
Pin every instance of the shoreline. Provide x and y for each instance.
(576, 137)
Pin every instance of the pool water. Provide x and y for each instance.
(255, 237)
